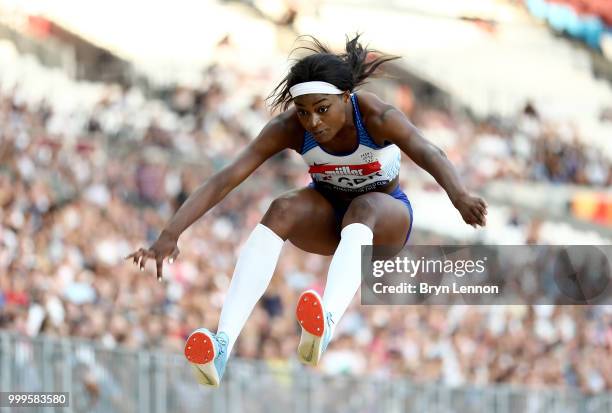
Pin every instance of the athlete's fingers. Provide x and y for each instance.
(469, 219)
(484, 214)
(472, 219)
(471, 216)
(479, 208)
(484, 207)
(483, 220)
(160, 263)
(481, 216)
(174, 255)
(132, 255)
(138, 255)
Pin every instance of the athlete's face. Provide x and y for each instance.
(321, 114)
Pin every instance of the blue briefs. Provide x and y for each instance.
(340, 209)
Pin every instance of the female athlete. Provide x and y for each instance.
(351, 142)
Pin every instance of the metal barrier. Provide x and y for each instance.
(122, 381)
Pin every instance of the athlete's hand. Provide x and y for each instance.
(473, 209)
(165, 246)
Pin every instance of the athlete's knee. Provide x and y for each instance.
(362, 210)
(282, 215)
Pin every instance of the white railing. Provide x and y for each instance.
(121, 381)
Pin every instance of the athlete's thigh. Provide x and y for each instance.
(393, 223)
(389, 217)
(314, 227)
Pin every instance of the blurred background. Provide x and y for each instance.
(112, 112)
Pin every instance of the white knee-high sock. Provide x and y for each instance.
(253, 272)
(344, 277)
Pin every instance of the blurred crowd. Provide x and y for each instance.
(81, 188)
(526, 147)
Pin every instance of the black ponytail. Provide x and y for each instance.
(346, 71)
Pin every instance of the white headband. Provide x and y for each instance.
(306, 88)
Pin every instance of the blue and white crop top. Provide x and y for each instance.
(362, 170)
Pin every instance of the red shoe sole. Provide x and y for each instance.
(309, 313)
(199, 348)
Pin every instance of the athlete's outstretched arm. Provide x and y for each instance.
(392, 125)
(272, 139)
